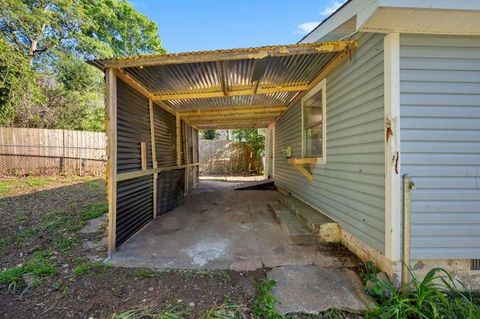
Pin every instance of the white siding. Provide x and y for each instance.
(350, 187)
(440, 143)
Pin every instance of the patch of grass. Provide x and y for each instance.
(95, 183)
(66, 244)
(89, 267)
(329, 314)
(39, 264)
(151, 312)
(37, 181)
(94, 210)
(3, 243)
(436, 296)
(226, 310)
(21, 217)
(5, 187)
(264, 304)
(144, 273)
(25, 234)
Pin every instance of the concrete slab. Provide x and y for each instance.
(311, 289)
(220, 228)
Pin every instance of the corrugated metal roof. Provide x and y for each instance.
(247, 78)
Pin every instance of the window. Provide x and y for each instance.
(314, 123)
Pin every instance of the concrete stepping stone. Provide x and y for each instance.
(311, 290)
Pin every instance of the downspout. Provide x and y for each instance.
(408, 185)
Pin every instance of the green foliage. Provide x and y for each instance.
(251, 136)
(144, 273)
(44, 81)
(89, 267)
(210, 134)
(264, 305)
(65, 244)
(94, 210)
(436, 296)
(38, 264)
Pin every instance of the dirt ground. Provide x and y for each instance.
(40, 233)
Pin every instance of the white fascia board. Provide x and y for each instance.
(431, 4)
(343, 15)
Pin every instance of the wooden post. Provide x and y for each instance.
(154, 157)
(111, 172)
(185, 154)
(179, 142)
(143, 155)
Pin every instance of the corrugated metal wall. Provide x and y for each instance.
(134, 196)
(350, 187)
(440, 143)
(165, 137)
(133, 127)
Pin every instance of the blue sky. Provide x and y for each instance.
(192, 25)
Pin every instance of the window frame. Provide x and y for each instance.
(322, 86)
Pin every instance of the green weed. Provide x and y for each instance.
(3, 243)
(436, 296)
(94, 210)
(5, 187)
(89, 267)
(264, 304)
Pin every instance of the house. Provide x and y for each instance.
(379, 90)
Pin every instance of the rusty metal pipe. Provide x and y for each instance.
(408, 185)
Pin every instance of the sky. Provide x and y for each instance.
(193, 25)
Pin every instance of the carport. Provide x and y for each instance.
(156, 104)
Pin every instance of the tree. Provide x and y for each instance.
(210, 134)
(252, 138)
(44, 43)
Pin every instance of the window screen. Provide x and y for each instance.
(313, 124)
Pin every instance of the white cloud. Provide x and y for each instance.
(328, 10)
(306, 27)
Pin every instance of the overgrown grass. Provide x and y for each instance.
(90, 267)
(264, 305)
(437, 295)
(39, 264)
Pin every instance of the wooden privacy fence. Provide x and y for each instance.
(27, 151)
(220, 157)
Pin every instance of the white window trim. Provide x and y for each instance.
(320, 86)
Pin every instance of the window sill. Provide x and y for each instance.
(306, 160)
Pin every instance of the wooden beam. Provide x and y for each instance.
(305, 160)
(239, 92)
(324, 72)
(154, 157)
(228, 55)
(249, 110)
(232, 117)
(111, 171)
(133, 83)
(143, 155)
(304, 171)
(221, 72)
(135, 174)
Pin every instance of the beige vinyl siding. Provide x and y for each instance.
(350, 186)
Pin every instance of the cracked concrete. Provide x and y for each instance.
(220, 228)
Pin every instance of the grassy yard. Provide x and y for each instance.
(50, 267)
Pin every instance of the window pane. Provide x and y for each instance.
(313, 110)
(313, 141)
(313, 125)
